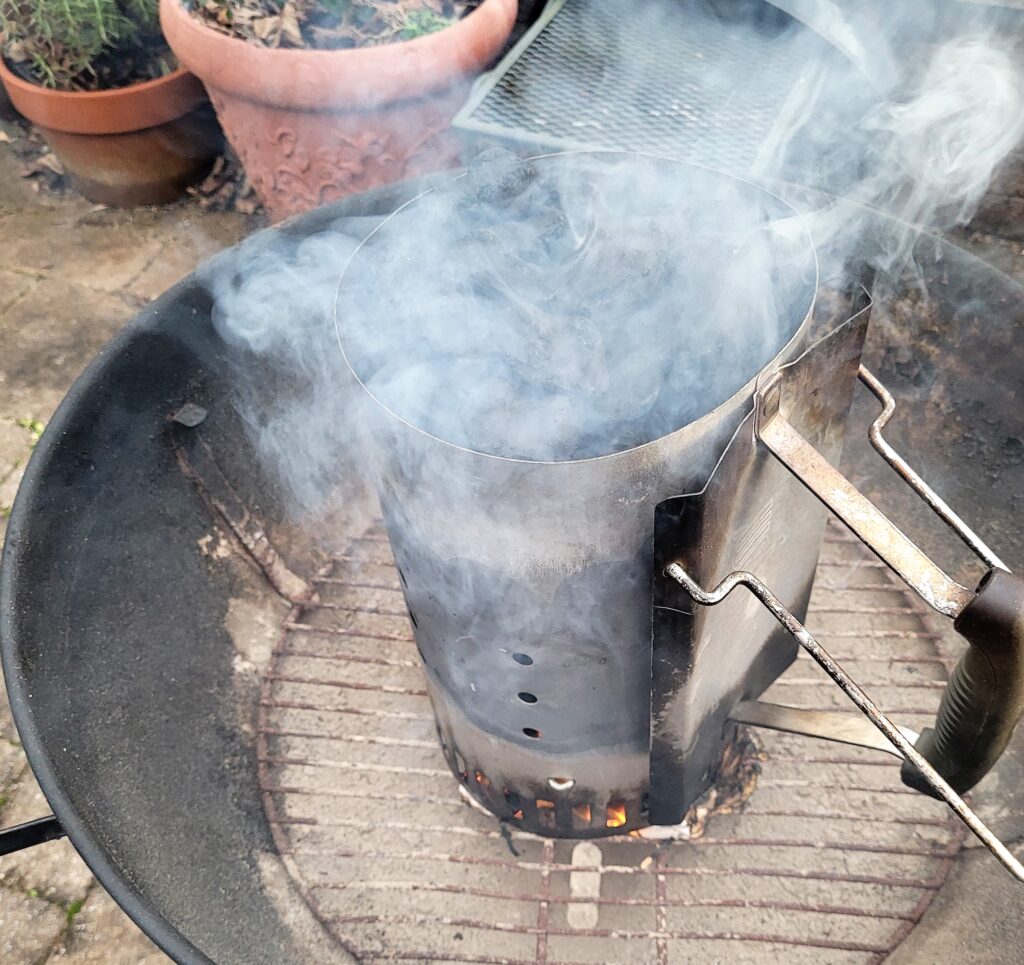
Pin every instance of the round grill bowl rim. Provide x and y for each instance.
(746, 389)
(168, 938)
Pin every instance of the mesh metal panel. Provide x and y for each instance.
(640, 76)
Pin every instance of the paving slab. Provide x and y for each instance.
(48, 338)
(102, 934)
(15, 191)
(12, 762)
(15, 443)
(14, 284)
(29, 928)
(54, 870)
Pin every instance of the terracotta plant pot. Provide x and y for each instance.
(314, 125)
(142, 144)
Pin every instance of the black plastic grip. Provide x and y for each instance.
(985, 696)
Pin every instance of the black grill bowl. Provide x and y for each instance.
(114, 626)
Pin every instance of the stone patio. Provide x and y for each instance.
(71, 275)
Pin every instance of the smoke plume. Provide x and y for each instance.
(571, 311)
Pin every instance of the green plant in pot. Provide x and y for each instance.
(99, 81)
(324, 98)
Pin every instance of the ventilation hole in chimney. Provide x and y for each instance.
(532, 732)
(482, 779)
(522, 659)
(545, 813)
(615, 816)
(412, 616)
(527, 698)
(581, 816)
(561, 783)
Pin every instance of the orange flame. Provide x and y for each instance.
(616, 815)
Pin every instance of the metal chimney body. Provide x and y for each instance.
(529, 588)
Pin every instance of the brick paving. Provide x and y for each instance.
(70, 276)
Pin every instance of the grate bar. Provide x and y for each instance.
(706, 841)
(346, 685)
(357, 585)
(368, 610)
(350, 738)
(890, 881)
(871, 789)
(661, 909)
(624, 934)
(357, 711)
(620, 902)
(352, 766)
(880, 658)
(544, 905)
(844, 816)
(354, 658)
(348, 632)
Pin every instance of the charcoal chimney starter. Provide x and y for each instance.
(529, 580)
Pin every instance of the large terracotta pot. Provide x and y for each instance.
(314, 125)
(142, 144)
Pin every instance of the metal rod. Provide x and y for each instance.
(30, 834)
(853, 691)
(937, 504)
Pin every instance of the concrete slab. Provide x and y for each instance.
(102, 934)
(48, 338)
(104, 250)
(53, 870)
(29, 928)
(12, 761)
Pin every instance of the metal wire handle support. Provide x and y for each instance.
(935, 502)
(864, 703)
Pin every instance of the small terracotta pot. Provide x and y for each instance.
(142, 144)
(312, 126)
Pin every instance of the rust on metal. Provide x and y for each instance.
(199, 465)
(875, 529)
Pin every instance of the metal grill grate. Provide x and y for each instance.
(592, 73)
(832, 859)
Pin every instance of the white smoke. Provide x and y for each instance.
(644, 306)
